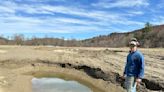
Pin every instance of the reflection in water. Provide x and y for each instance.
(57, 85)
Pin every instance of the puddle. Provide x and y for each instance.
(57, 82)
(57, 85)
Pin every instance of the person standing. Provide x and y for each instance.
(134, 68)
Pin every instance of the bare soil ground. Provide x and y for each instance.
(100, 66)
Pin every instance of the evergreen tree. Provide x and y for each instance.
(148, 27)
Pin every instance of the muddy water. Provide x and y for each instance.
(57, 82)
(57, 85)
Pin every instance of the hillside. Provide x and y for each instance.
(153, 38)
(149, 37)
(3, 41)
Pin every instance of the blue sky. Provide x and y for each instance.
(78, 19)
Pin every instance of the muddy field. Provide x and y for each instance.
(100, 66)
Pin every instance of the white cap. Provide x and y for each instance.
(134, 43)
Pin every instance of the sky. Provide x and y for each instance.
(79, 19)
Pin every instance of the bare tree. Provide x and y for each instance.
(18, 39)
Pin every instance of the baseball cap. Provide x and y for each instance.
(134, 41)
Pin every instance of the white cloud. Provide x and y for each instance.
(15, 24)
(157, 20)
(49, 9)
(157, 8)
(96, 20)
(4, 9)
(136, 13)
(160, 4)
(7, 7)
(100, 16)
(121, 3)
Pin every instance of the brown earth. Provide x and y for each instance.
(89, 66)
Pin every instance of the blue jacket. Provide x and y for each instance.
(135, 65)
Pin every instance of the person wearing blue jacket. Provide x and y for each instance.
(134, 68)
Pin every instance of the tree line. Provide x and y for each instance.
(149, 36)
(19, 39)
